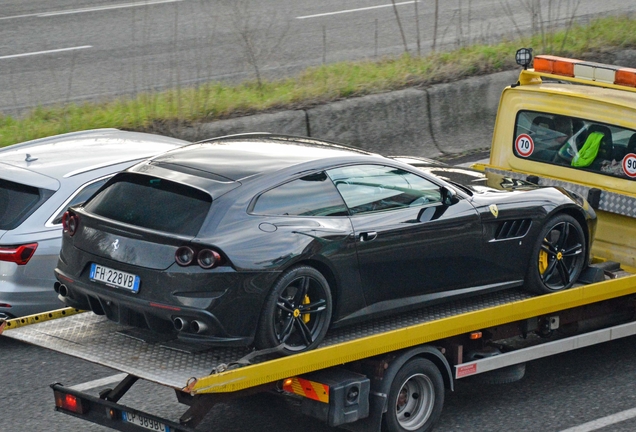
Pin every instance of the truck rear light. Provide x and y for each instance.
(70, 223)
(69, 402)
(18, 254)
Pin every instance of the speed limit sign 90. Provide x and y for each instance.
(629, 164)
(524, 145)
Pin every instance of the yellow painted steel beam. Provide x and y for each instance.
(36, 318)
(321, 358)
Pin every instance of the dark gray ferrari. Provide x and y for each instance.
(271, 240)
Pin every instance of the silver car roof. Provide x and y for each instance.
(42, 162)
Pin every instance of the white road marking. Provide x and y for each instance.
(45, 52)
(355, 10)
(603, 422)
(99, 382)
(90, 9)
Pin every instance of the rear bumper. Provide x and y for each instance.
(230, 319)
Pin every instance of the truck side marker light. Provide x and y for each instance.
(475, 335)
(309, 389)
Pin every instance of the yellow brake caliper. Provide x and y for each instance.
(543, 261)
(306, 317)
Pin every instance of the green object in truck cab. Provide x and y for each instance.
(588, 152)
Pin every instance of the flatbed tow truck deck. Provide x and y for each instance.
(94, 338)
(202, 378)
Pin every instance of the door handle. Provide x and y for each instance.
(368, 236)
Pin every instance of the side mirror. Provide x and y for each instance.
(449, 196)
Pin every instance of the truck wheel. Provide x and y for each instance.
(558, 257)
(296, 313)
(416, 398)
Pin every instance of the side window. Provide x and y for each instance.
(313, 195)
(368, 188)
(80, 196)
(577, 143)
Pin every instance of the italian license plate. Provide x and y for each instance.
(114, 277)
(144, 422)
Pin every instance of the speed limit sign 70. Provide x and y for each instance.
(524, 145)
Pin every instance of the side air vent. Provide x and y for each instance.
(512, 229)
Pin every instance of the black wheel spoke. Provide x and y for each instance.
(547, 274)
(563, 236)
(577, 249)
(284, 305)
(287, 330)
(563, 272)
(304, 331)
(314, 307)
(548, 248)
(301, 292)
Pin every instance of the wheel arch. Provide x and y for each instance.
(577, 214)
(427, 352)
(327, 273)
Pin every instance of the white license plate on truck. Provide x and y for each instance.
(144, 422)
(114, 277)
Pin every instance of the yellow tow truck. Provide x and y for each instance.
(566, 122)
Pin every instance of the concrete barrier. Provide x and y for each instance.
(442, 119)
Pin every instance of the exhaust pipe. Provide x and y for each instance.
(56, 287)
(198, 327)
(180, 324)
(63, 290)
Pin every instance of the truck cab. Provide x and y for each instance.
(572, 123)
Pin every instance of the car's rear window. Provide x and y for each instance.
(18, 202)
(152, 203)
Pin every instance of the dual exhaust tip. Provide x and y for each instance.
(61, 289)
(194, 326)
(180, 324)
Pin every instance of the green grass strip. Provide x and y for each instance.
(164, 111)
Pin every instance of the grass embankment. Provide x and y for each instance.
(161, 111)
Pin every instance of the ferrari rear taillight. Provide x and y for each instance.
(184, 256)
(206, 258)
(18, 254)
(70, 223)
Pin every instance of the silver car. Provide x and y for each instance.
(39, 180)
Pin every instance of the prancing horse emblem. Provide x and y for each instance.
(116, 243)
(494, 210)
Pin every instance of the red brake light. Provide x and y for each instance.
(18, 254)
(69, 402)
(70, 223)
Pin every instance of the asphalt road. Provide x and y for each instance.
(58, 51)
(558, 393)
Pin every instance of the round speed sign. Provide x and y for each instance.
(629, 165)
(524, 145)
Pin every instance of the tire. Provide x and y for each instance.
(297, 312)
(416, 398)
(558, 256)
